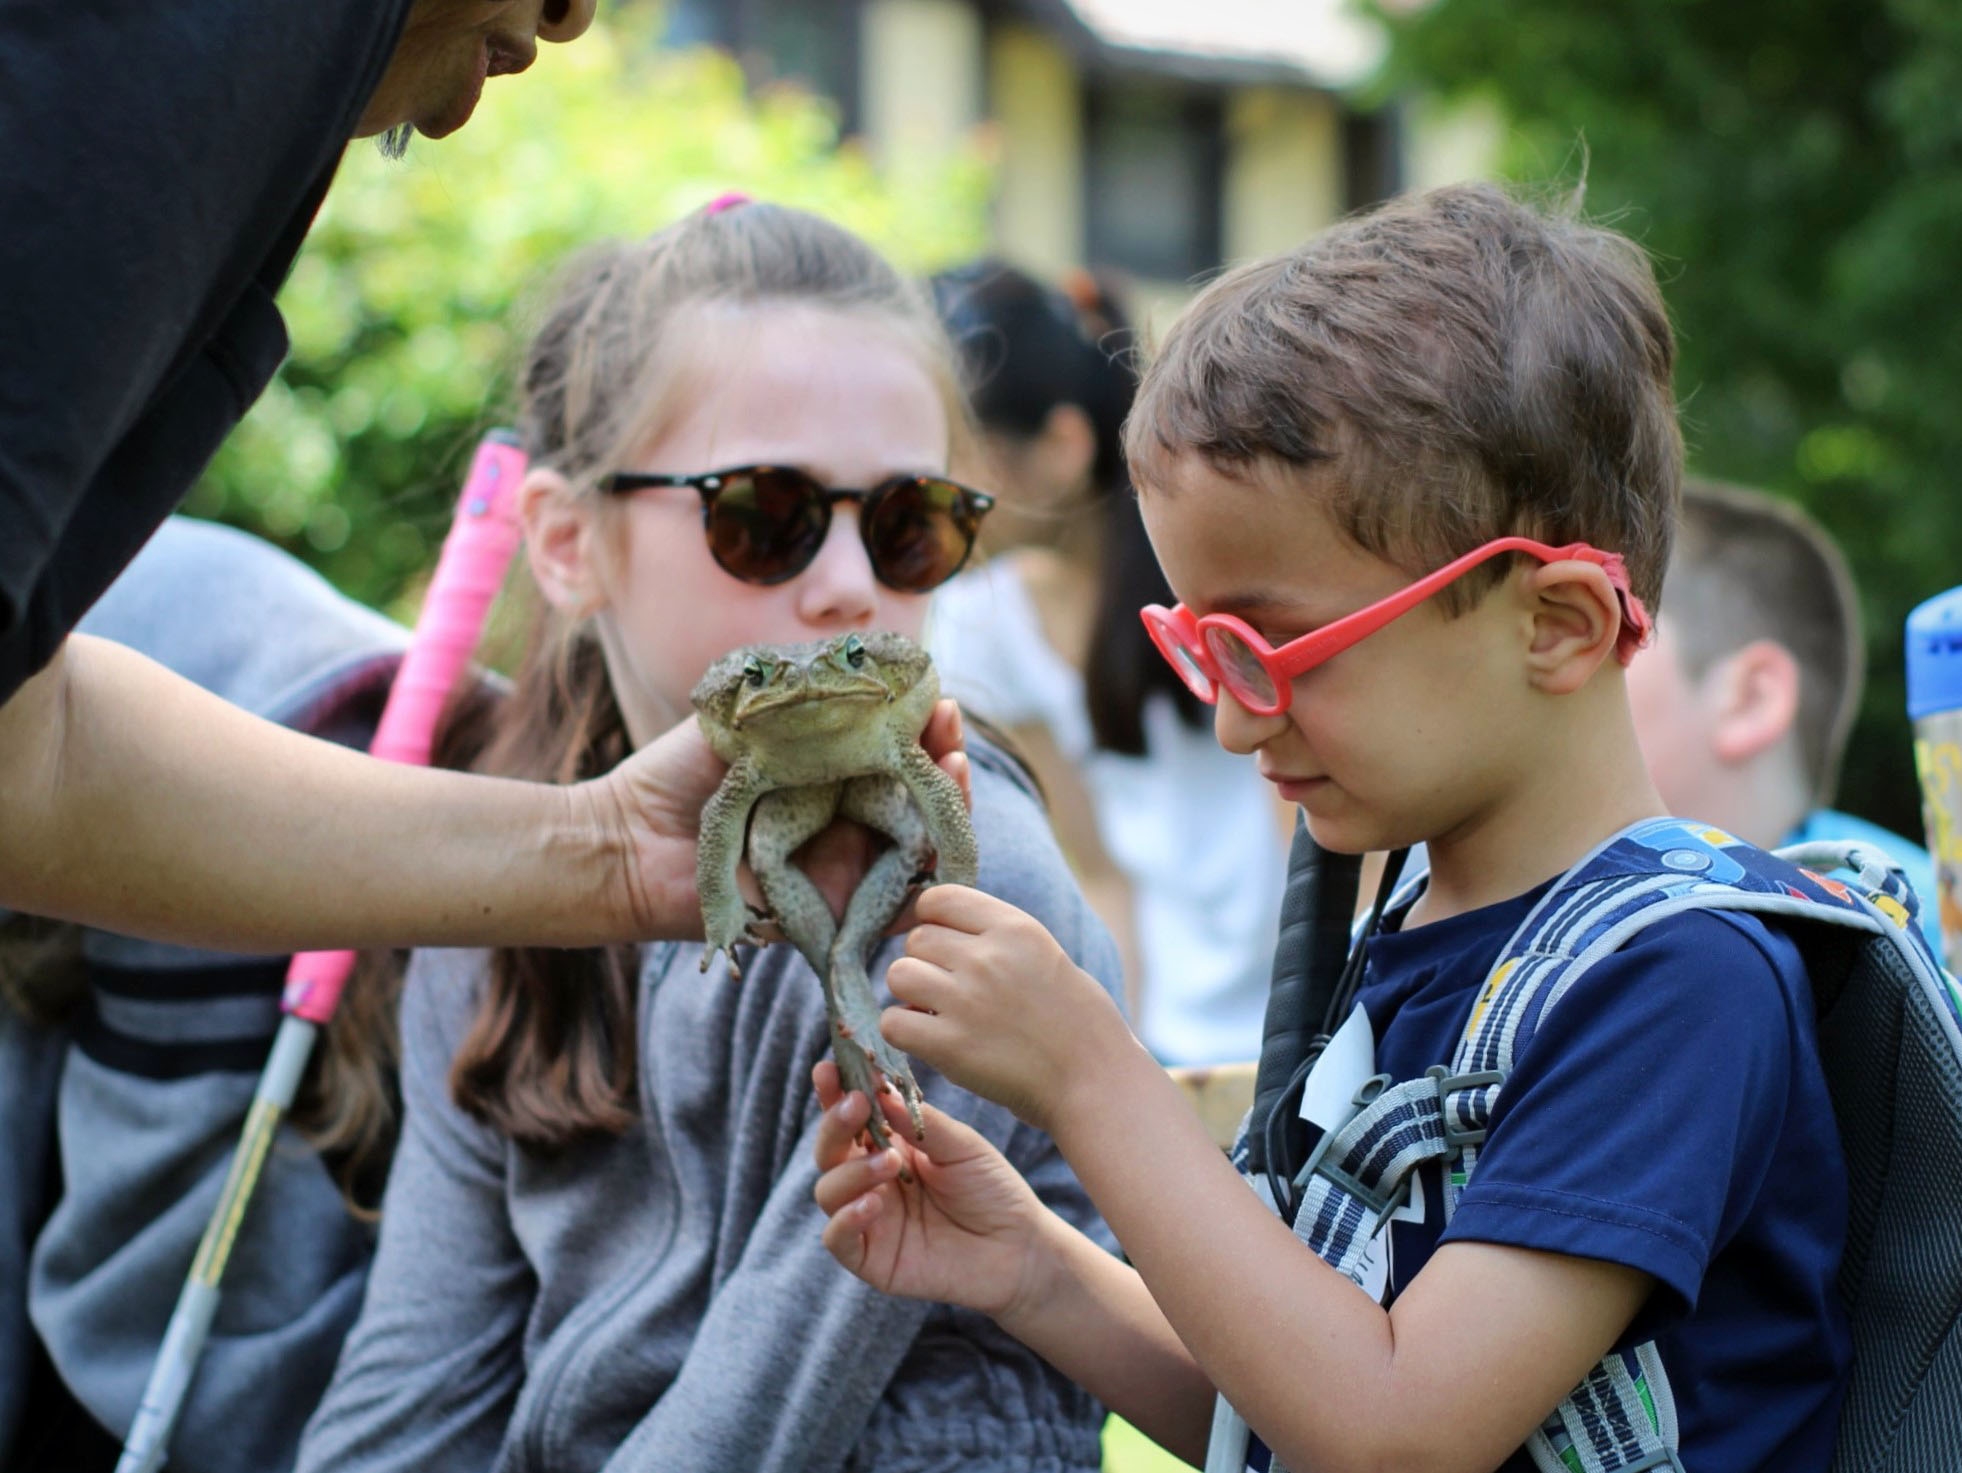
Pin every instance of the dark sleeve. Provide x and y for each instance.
(161, 161)
(1643, 1113)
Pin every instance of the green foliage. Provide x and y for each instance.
(1797, 172)
(406, 307)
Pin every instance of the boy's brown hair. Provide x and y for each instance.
(1749, 567)
(1451, 367)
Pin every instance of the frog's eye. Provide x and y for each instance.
(854, 651)
(753, 671)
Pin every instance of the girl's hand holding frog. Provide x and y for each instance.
(993, 1002)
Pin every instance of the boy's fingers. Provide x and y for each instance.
(844, 1234)
(940, 945)
(959, 907)
(920, 984)
(947, 1139)
(824, 1078)
(844, 1183)
(913, 1031)
(838, 1129)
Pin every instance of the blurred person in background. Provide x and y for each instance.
(1178, 843)
(1744, 704)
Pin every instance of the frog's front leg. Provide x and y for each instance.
(885, 804)
(944, 811)
(726, 917)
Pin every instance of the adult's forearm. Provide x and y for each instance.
(133, 800)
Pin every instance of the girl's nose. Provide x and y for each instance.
(1240, 731)
(564, 20)
(838, 590)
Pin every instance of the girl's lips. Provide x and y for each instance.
(1297, 789)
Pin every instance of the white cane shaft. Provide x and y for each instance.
(190, 1321)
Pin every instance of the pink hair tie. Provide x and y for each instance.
(725, 202)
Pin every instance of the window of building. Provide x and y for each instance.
(1372, 157)
(1152, 167)
(814, 43)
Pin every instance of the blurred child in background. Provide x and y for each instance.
(1178, 843)
(1744, 704)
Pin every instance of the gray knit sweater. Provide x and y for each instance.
(662, 1300)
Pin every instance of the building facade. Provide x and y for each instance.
(1162, 138)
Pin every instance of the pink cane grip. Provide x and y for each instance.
(482, 537)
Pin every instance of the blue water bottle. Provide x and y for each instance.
(1934, 699)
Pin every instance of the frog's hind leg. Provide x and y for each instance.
(885, 804)
(785, 819)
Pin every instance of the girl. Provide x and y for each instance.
(1179, 844)
(599, 1245)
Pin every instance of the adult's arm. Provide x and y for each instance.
(134, 801)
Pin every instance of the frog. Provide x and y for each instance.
(826, 729)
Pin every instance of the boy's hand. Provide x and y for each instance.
(962, 1228)
(995, 1004)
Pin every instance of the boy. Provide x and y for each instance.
(1662, 1162)
(1744, 707)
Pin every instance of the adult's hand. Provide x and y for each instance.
(653, 803)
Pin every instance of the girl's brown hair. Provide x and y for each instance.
(551, 1055)
(349, 1105)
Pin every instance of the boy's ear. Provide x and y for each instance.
(1576, 622)
(560, 543)
(1754, 699)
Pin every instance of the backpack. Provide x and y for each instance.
(1890, 1038)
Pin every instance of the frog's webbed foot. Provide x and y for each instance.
(864, 1056)
(859, 1069)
